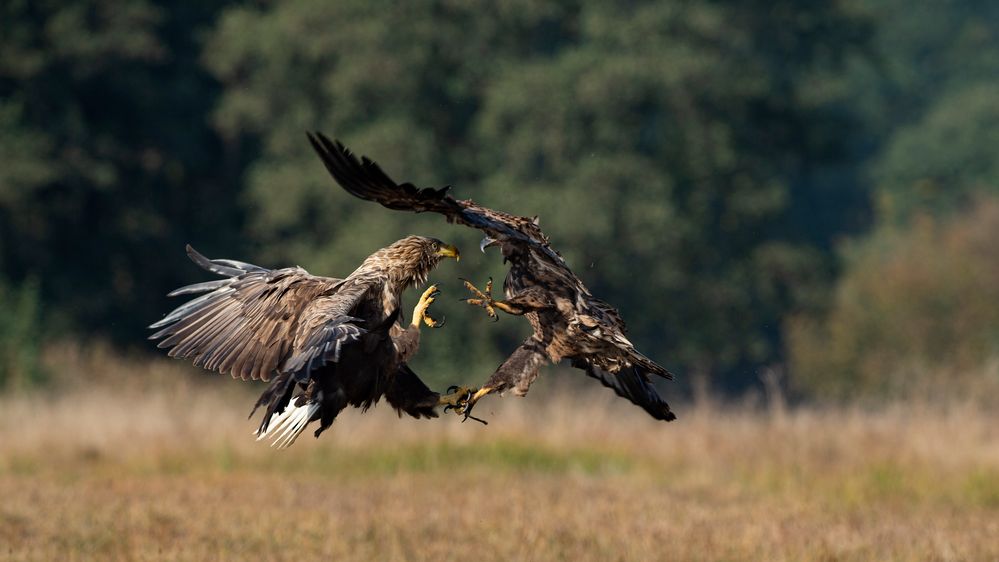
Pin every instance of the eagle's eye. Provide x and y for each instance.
(435, 245)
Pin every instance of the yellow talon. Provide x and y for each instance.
(461, 399)
(420, 311)
(428, 296)
(482, 299)
(479, 394)
(470, 403)
(455, 398)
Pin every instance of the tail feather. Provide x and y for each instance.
(633, 384)
(646, 364)
(276, 397)
(284, 427)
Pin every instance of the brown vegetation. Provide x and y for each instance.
(155, 464)
(914, 314)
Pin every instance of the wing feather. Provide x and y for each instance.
(633, 384)
(407, 393)
(258, 321)
(365, 179)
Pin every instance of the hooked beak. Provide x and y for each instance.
(449, 251)
(487, 242)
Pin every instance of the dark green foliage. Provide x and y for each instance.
(103, 119)
(939, 162)
(930, 92)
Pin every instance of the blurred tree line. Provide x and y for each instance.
(699, 163)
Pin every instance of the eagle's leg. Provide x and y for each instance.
(454, 399)
(420, 311)
(469, 403)
(462, 399)
(485, 300)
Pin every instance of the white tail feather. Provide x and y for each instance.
(285, 427)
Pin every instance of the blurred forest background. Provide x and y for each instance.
(806, 189)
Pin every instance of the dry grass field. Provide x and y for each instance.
(163, 467)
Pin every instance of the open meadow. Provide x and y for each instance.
(161, 466)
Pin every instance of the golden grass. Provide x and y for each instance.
(162, 467)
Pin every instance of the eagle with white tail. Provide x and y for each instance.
(338, 342)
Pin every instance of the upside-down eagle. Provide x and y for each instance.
(568, 321)
(338, 341)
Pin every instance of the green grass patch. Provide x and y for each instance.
(495, 455)
(378, 459)
(982, 488)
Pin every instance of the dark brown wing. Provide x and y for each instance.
(407, 393)
(365, 179)
(634, 385)
(257, 321)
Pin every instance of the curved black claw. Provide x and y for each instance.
(455, 398)
(459, 399)
(469, 416)
(466, 409)
(429, 320)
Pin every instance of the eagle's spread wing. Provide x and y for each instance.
(365, 179)
(257, 321)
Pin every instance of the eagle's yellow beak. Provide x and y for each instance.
(449, 251)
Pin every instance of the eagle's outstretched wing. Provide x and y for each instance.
(256, 321)
(365, 179)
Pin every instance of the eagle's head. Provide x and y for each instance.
(409, 261)
(514, 247)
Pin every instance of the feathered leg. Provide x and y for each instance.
(515, 374)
